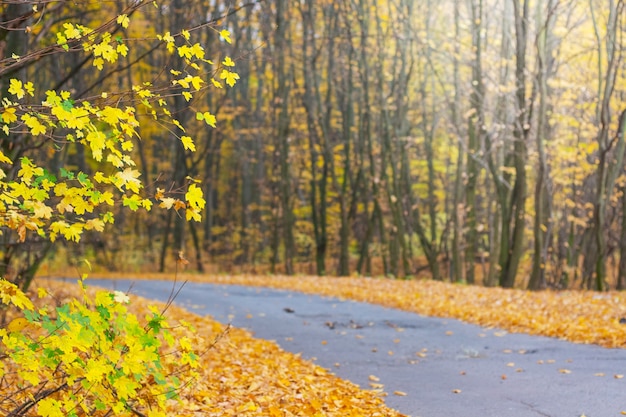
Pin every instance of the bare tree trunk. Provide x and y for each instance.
(475, 135)
(515, 250)
(607, 170)
(542, 222)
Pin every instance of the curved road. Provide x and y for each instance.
(446, 368)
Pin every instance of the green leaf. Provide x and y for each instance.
(67, 105)
(156, 323)
(32, 316)
(132, 202)
(66, 174)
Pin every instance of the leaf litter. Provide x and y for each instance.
(244, 376)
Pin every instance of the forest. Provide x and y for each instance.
(476, 141)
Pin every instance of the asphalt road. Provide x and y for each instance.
(445, 367)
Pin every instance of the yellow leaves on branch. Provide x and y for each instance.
(195, 203)
(10, 294)
(18, 89)
(39, 200)
(95, 341)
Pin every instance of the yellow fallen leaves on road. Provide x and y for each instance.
(243, 376)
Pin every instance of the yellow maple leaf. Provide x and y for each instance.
(225, 34)
(4, 158)
(188, 143)
(96, 142)
(194, 197)
(228, 62)
(229, 76)
(123, 20)
(15, 88)
(129, 178)
(8, 115)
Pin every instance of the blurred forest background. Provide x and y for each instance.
(477, 141)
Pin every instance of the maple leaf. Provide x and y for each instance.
(94, 224)
(208, 118)
(9, 116)
(128, 178)
(16, 88)
(123, 20)
(194, 197)
(40, 210)
(49, 407)
(133, 202)
(73, 232)
(167, 203)
(225, 34)
(229, 77)
(192, 214)
(96, 142)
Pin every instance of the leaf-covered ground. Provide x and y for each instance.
(244, 376)
(577, 316)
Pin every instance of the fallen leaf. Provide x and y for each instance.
(399, 393)
(618, 376)
(565, 371)
(456, 391)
